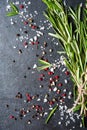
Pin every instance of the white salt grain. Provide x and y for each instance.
(34, 66)
(42, 28)
(45, 100)
(55, 89)
(65, 81)
(17, 2)
(35, 38)
(59, 123)
(38, 99)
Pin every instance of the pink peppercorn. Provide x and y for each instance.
(58, 91)
(60, 84)
(33, 26)
(51, 80)
(46, 60)
(27, 95)
(51, 102)
(42, 75)
(67, 72)
(11, 117)
(29, 98)
(25, 43)
(64, 95)
(56, 77)
(32, 43)
(25, 22)
(37, 43)
(21, 6)
(40, 79)
(50, 73)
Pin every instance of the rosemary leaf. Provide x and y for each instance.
(14, 10)
(50, 114)
(44, 64)
(43, 67)
(11, 14)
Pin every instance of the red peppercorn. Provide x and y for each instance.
(50, 89)
(51, 80)
(33, 26)
(46, 60)
(21, 6)
(60, 84)
(25, 22)
(25, 43)
(42, 75)
(56, 77)
(32, 43)
(50, 73)
(37, 43)
(40, 79)
(27, 95)
(37, 107)
(51, 102)
(62, 100)
(11, 117)
(67, 72)
(58, 91)
(64, 95)
(29, 98)
(40, 108)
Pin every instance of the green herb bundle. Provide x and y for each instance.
(70, 28)
(14, 10)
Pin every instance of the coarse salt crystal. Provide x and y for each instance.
(65, 81)
(80, 124)
(70, 93)
(45, 113)
(35, 12)
(45, 100)
(39, 32)
(42, 28)
(31, 39)
(59, 123)
(63, 69)
(38, 35)
(50, 108)
(8, 7)
(29, 3)
(55, 89)
(64, 90)
(12, 22)
(38, 99)
(17, 2)
(35, 38)
(14, 47)
(34, 66)
(69, 97)
(52, 70)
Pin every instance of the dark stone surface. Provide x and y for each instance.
(12, 73)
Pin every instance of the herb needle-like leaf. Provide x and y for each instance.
(50, 114)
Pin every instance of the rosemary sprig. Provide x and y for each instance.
(44, 65)
(14, 10)
(73, 37)
(50, 114)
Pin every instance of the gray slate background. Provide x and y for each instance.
(12, 74)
